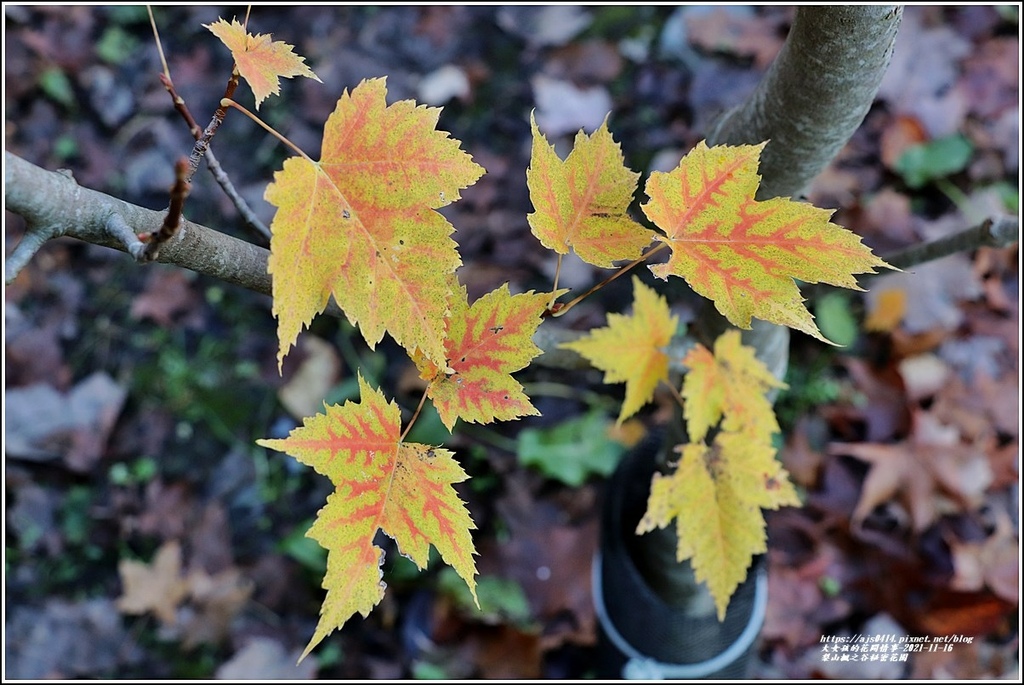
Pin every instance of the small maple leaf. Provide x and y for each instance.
(743, 254)
(484, 344)
(731, 385)
(717, 491)
(581, 203)
(361, 224)
(157, 586)
(403, 489)
(631, 349)
(260, 60)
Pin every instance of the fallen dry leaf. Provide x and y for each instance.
(303, 395)
(156, 587)
(43, 424)
(922, 473)
(724, 31)
(564, 108)
(886, 310)
(266, 659)
(797, 606)
(168, 299)
(993, 562)
(218, 599)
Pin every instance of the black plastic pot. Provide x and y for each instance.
(656, 621)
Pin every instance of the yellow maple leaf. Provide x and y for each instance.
(361, 224)
(730, 383)
(716, 493)
(260, 60)
(715, 496)
(631, 349)
(743, 254)
(381, 483)
(581, 203)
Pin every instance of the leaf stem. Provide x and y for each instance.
(415, 416)
(611, 278)
(675, 393)
(203, 142)
(228, 102)
(554, 287)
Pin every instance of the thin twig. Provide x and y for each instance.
(159, 47)
(1001, 231)
(179, 191)
(25, 251)
(119, 228)
(245, 211)
(203, 142)
(675, 393)
(219, 175)
(998, 232)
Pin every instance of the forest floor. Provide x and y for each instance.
(147, 536)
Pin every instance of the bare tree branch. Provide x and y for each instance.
(54, 205)
(998, 232)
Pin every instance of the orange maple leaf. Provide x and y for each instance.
(484, 344)
(381, 483)
(361, 224)
(631, 349)
(581, 203)
(744, 254)
(260, 60)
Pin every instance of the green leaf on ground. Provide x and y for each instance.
(936, 159)
(573, 450)
(835, 319)
(501, 600)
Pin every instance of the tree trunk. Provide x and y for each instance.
(810, 102)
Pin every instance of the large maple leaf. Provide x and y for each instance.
(581, 203)
(361, 224)
(744, 254)
(717, 492)
(631, 349)
(260, 60)
(485, 343)
(380, 483)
